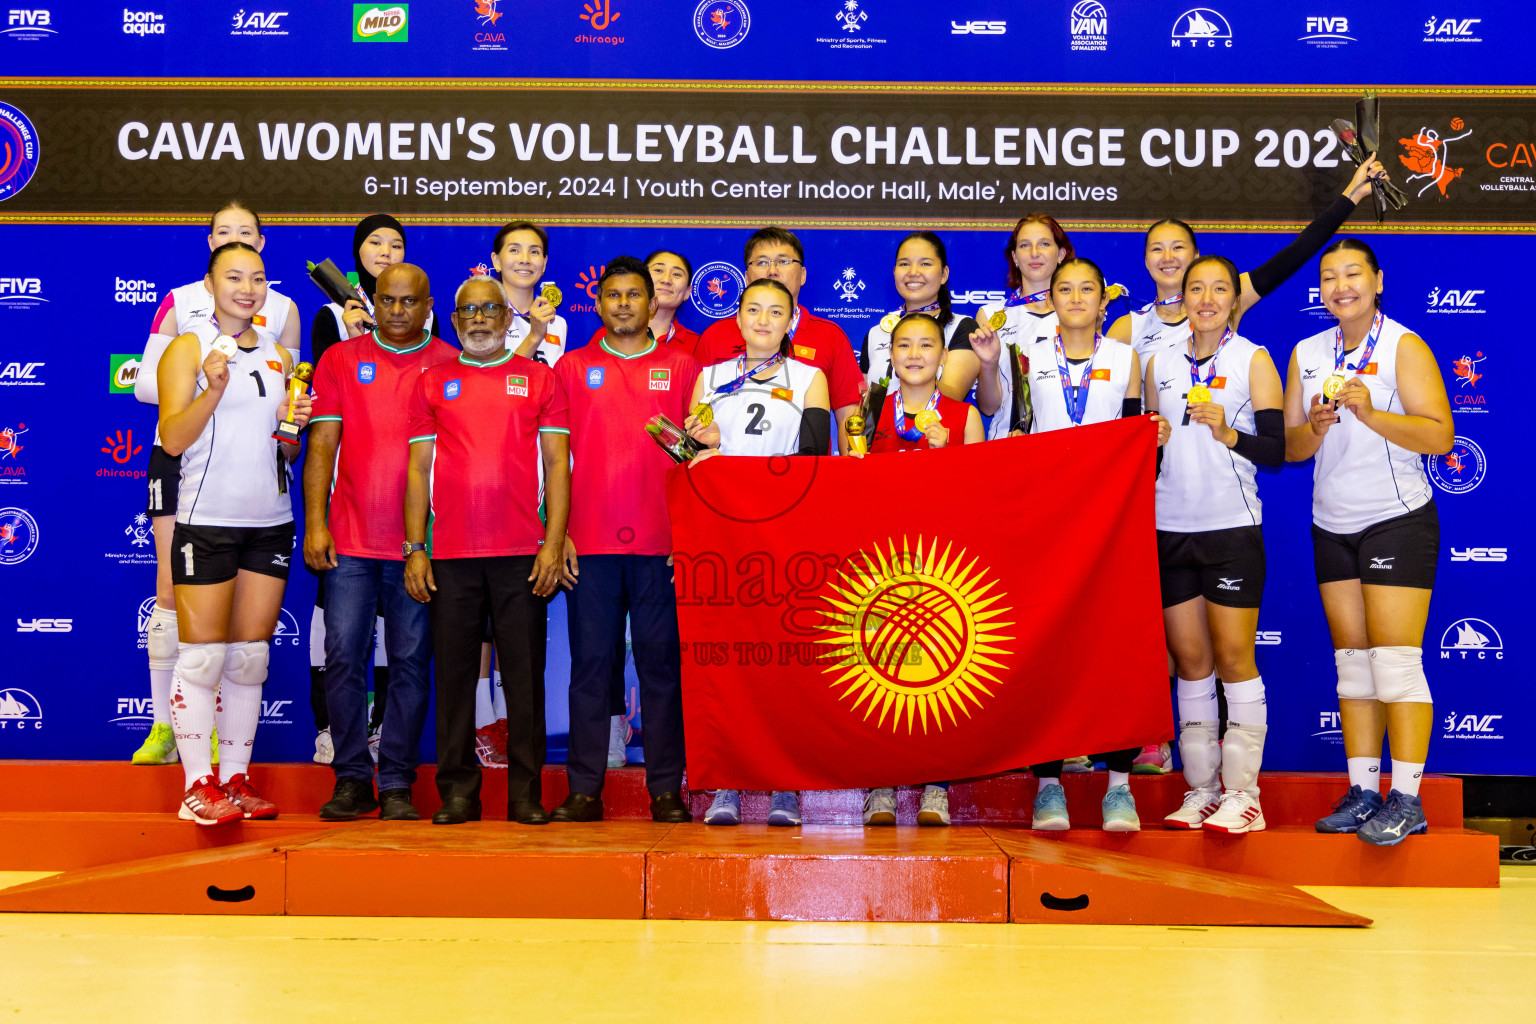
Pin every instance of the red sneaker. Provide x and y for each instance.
(207, 804)
(491, 744)
(251, 803)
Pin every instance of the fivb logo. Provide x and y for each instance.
(1328, 727)
(29, 23)
(21, 292)
(1327, 33)
(133, 711)
(1472, 727)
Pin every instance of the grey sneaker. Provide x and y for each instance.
(1051, 810)
(1400, 816)
(725, 809)
(880, 807)
(784, 807)
(935, 808)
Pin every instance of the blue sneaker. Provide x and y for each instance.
(1354, 809)
(1119, 810)
(725, 809)
(784, 807)
(1400, 816)
(1051, 810)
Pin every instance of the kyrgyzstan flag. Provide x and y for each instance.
(919, 616)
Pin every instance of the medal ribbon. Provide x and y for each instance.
(899, 415)
(1172, 300)
(1018, 298)
(1077, 401)
(1194, 366)
(1366, 349)
(731, 387)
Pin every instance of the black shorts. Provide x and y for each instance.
(1396, 552)
(218, 553)
(164, 481)
(1226, 567)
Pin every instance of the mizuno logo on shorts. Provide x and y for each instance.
(1382, 563)
(281, 560)
(1230, 584)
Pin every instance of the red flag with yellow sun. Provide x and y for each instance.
(919, 616)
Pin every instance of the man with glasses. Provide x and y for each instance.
(479, 429)
(353, 494)
(775, 253)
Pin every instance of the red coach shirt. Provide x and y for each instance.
(365, 384)
(677, 335)
(486, 419)
(618, 474)
(817, 340)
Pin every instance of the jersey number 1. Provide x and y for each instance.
(186, 552)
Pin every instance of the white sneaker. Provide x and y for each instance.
(880, 807)
(373, 743)
(1198, 805)
(935, 808)
(618, 734)
(1237, 814)
(325, 751)
(1075, 765)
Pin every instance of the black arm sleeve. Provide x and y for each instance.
(815, 432)
(961, 341)
(1129, 407)
(322, 333)
(1266, 447)
(1272, 273)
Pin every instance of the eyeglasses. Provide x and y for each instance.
(490, 310)
(782, 263)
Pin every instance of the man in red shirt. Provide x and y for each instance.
(353, 533)
(479, 429)
(672, 276)
(775, 253)
(620, 529)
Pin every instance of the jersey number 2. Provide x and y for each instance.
(757, 417)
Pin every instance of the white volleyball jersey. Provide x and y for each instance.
(1204, 485)
(1110, 370)
(230, 474)
(1023, 329)
(876, 354)
(1150, 334)
(1359, 478)
(551, 348)
(762, 417)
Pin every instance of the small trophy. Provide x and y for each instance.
(1360, 143)
(1021, 411)
(287, 431)
(672, 439)
(338, 288)
(861, 425)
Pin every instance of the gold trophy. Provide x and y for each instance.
(857, 442)
(287, 431)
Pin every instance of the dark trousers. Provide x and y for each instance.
(1115, 761)
(611, 587)
(468, 591)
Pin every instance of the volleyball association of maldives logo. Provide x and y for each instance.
(913, 634)
(18, 151)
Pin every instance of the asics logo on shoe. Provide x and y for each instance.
(1382, 563)
(1230, 584)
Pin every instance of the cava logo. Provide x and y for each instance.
(487, 36)
(1327, 33)
(1427, 154)
(21, 292)
(1467, 396)
(11, 471)
(1090, 26)
(913, 635)
(1471, 639)
(1459, 470)
(20, 710)
(372, 23)
(1201, 28)
(1472, 727)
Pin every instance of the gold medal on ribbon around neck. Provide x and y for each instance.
(1332, 386)
(1198, 393)
(997, 320)
(551, 294)
(705, 412)
(889, 321)
(925, 419)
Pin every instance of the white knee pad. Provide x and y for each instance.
(1398, 674)
(246, 663)
(1249, 691)
(160, 638)
(200, 665)
(1355, 679)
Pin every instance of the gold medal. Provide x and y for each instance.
(925, 419)
(1198, 393)
(997, 320)
(1332, 386)
(551, 294)
(705, 412)
(889, 321)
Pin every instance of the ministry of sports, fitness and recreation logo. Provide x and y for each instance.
(913, 634)
(1459, 470)
(1202, 27)
(1090, 26)
(140, 536)
(20, 710)
(18, 536)
(1427, 156)
(18, 151)
(376, 23)
(721, 23)
(1471, 638)
(848, 285)
(717, 289)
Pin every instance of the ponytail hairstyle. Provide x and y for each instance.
(228, 247)
(935, 243)
(235, 204)
(1147, 238)
(786, 346)
(1015, 278)
(1232, 273)
(1355, 245)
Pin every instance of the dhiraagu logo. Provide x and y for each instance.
(376, 23)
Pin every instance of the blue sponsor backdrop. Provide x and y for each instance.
(76, 560)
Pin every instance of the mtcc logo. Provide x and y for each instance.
(19, 710)
(287, 632)
(1202, 27)
(1471, 639)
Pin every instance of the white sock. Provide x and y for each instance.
(1406, 776)
(237, 713)
(1197, 699)
(317, 638)
(498, 698)
(380, 650)
(163, 621)
(1365, 772)
(484, 715)
(1048, 782)
(1245, 701)
(1119, 779)
(191, 716)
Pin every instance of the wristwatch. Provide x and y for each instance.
(407, 547)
